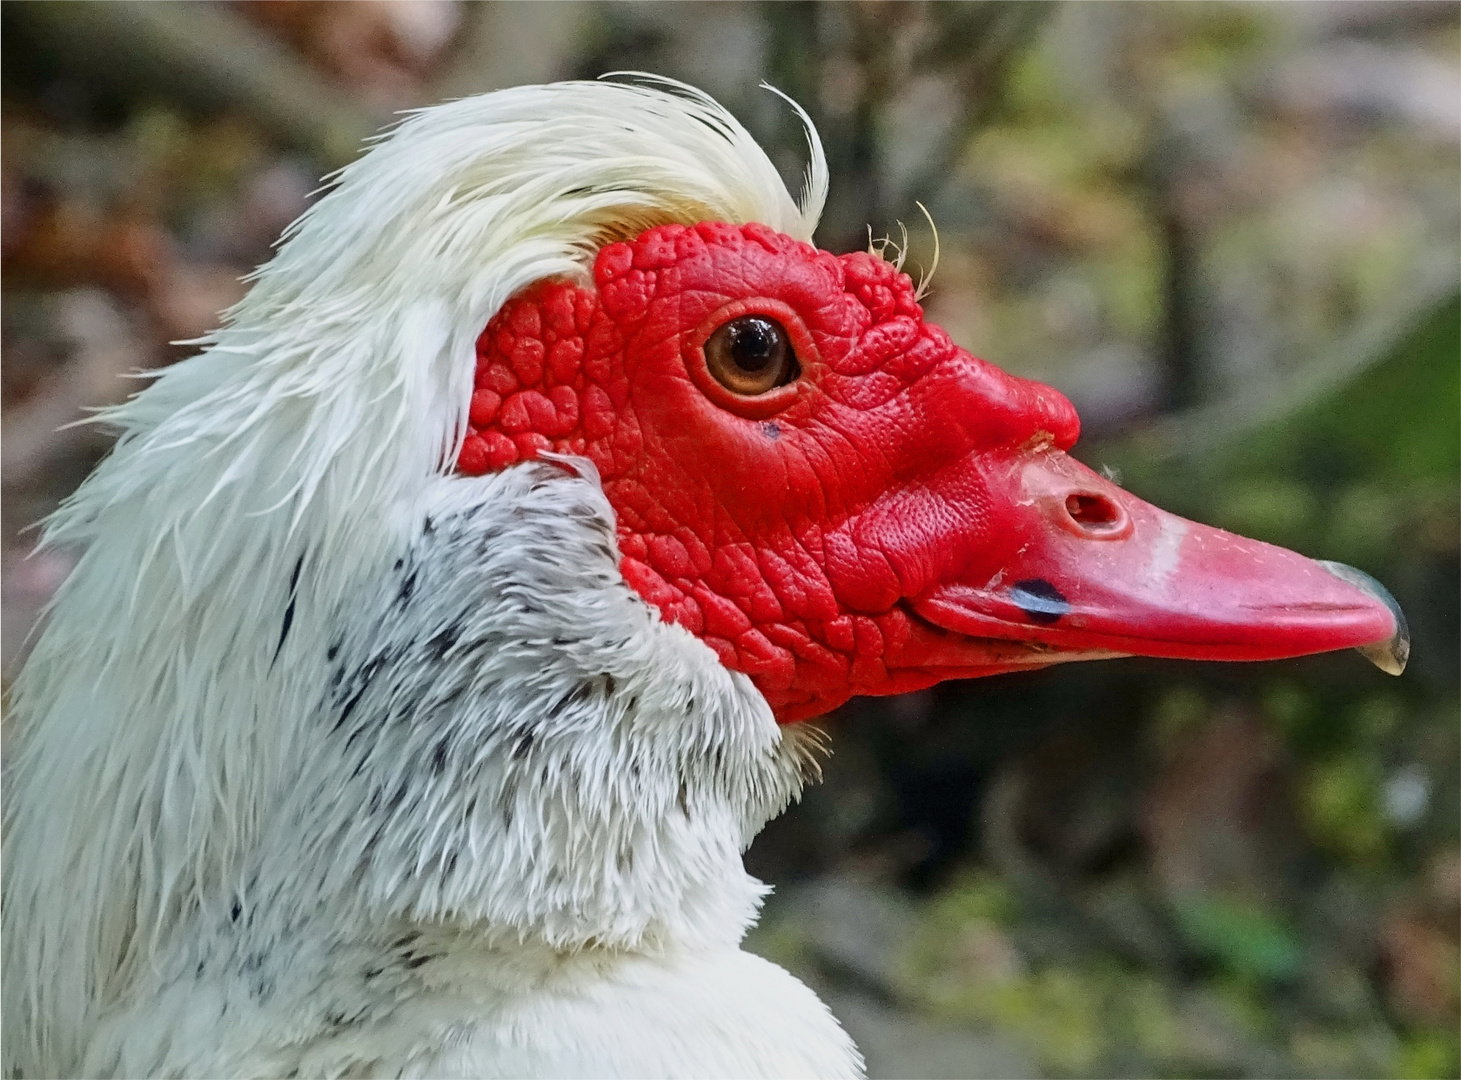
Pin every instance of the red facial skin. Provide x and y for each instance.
(826, 537)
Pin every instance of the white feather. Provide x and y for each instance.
(175, 749)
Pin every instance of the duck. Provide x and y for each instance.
(444, 629)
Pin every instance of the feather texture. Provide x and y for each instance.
(182, 741)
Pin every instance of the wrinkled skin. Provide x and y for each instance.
(901, 513)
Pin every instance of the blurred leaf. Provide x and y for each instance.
(1427, 1054)
(1280, 509)
(975, 898)
(1293, 707)
(1147, 1013)
(1061, 1014)
(1178, 712)
(1344, 809)
(1376, 719)
(1398, 420)
(1395, 428)
(1241, 937)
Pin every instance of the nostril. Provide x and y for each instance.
(1094, 513)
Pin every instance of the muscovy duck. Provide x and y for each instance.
(441, 631)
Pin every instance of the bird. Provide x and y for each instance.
(444, 629)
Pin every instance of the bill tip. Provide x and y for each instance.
(1390, 654)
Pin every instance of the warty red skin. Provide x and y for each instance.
(895, 516)
(772, 529)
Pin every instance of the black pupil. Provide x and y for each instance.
(754, 344)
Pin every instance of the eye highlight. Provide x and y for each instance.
(751, 355)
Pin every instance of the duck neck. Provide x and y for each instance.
(514, 745)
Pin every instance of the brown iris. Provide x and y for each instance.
(751, 355)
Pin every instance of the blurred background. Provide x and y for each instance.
(1228, 232)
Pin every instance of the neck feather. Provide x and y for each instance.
(509, 739)
(479, 726)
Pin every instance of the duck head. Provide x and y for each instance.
(300, 673)
(838, 500)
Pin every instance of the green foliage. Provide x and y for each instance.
(975, 898)
(1342, 808)
(1244, 939)
(1399, 421)
(1426, 1055)
(1292, 707)
(1369, 468)
(1179, 710)
(1279, 508)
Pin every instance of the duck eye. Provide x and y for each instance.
(751, 355)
